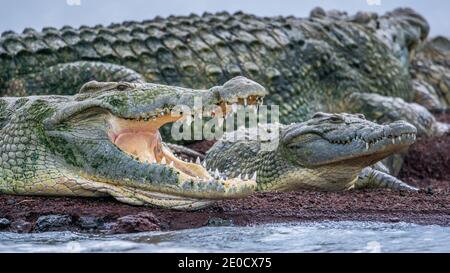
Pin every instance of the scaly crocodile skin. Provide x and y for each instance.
(307, 65)
(328, 152)
(68, 145)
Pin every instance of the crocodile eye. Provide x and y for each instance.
(122, 87)
(335, 119)
(361, 116)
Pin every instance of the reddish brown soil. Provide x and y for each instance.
(427, 166)
(379, 205)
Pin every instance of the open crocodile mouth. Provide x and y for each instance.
(140, 138)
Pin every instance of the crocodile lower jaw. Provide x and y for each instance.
(140, 138)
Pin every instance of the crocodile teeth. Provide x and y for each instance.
(217, 174)
(197, 161)
(220, 121)
(245, 101)
(171, 164)
(188, 120)
(239, 177)
(246, 177)
(204, 164)
(234, 107)
(254, 176)
(393, 140)
(367, 146)
(163, 160)
(399, 138)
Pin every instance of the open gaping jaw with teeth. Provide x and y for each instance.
(108, 135)
(140, 138)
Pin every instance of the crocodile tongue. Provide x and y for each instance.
(140, 144)
(142, 140)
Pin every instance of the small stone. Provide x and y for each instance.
(21, 226)
(394, 219)
(218, 222)
(88, 222)
(4, 223)
(52, 222)
(140, 222)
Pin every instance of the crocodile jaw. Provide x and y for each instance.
(142, 140)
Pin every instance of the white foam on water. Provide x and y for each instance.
(325, 236)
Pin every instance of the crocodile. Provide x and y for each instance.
(330, 152)
(321, 63)
(328, 62)
(104, 141)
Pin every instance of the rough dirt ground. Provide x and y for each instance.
(427, 166)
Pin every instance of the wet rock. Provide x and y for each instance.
(21, 226)
(90, 223)
(140, 222)
(394, 219)
(108, 227)
(4, 223)
(219, 222)
(53, 222)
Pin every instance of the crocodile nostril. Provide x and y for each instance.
(122, 87)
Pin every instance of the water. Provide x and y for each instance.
(285, 237)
